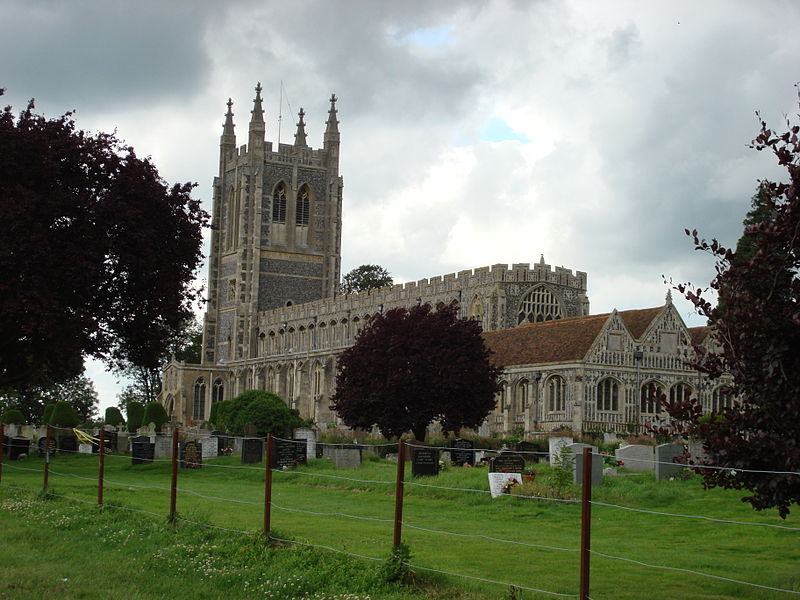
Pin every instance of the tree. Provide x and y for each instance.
(267, 411)
(32, 400)
(13, 417)
(365, 277)
(135, 413)
(113, 417)
(103, 252)
(411, 367)
(757, 331)
(155, 413)
(64, 415)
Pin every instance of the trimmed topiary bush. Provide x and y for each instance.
(135, 412)
(13, 417)
(267, 411)
(64, 415)
(48, 412)
(113, 416)
(154, 412)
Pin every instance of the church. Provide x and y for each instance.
(275, 319)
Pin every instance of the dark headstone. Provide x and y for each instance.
(16, 446)
(109, 442)
(283, 454)
(191, 455)
(142, 450)
(300, 451)
(320, 450)
(68, 443)
(464, 453)
(252, 450)
(425, 462)
(530, 447)
(45, 450)
(507, 462)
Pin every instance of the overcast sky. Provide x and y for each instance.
(473, 133)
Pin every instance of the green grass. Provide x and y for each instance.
(762, 555)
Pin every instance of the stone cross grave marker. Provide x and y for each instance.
(463, 453)
(191, 455)
(142, 450)
(424, 462)
(252, 450)
(665, 468)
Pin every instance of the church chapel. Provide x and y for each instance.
(275, 319)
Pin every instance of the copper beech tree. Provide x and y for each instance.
(756, 323)
(98, 256)
(411, 367)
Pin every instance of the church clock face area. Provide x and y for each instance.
(275, 319)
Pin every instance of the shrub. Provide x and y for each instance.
(48, 412)
(13, 417)
(135, 412)
(263, 409)
(154, 412)
(113, 416)
(63, 415)
(396, 568)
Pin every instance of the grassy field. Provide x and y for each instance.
(233, 498)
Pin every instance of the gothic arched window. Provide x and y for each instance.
(303, 206)
(218, 391)
(317, 380)
(521, 397)
(555, 394)
(678, 393)
(608, 394)
(721, 397)
(651, 398)
(199, 404)
(538, 305)
(279, 204)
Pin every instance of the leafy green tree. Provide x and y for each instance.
(411, 367)
(106, 264)
(135, 412)
(154, 412)
(32, 400)
(113, 416)
(267, 411)
(48, 413)
(365, 277)
(13, 416)
(64, 415)
(757, 331)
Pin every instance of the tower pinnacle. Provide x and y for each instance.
(300, 136)
(255, 141)
(257, 112)
(332, 124)
(228, 135)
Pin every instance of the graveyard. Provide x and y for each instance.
(345, 501)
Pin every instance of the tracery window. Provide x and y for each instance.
(678, 393)
(503, 395)
(538, 305)
(303, 207)
(218, 391)
(317, 380)
(521, 397)
(279, 204)
(721, 398)
(555, 394)
(608, 394)
(199, 404)
(650, 398)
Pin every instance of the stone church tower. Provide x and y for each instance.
(276, 231)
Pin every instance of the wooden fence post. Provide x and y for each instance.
(101, 467)
(398, 494)
(2, 437)
(46, 458)
(173, 490)
(586, 522)
(268, 485)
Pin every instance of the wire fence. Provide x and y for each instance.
(179, 461)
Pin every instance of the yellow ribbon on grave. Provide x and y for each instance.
(84, 438)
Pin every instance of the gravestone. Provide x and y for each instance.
(252, 450)
(636, 457)
(424, 462)
(142, 450)
(507, 462)
(463, 453)
(109, 441)
(697, 453)
(237, 445)
(44, 449)
(597, 469)
(530, 452)
(68, 444)
(163, 447)
(577, 450)
(320, 450)
(554, 446)
(347, 458)
(283, 454)
(122, 441)
(210, 447)
(307, 434)
(300, 451)
(665, 467)
(225, 445)
(84, 448)
(191, 455)
(16, 446)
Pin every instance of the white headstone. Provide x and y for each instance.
(498, 480)
(163, 447)
(665, 468)
(209, 447)
(347, 458)
(636, 457)
(307, 434)
(554, 446)
(85, 448)
(597, 469)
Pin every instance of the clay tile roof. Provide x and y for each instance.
(553, 341)
(638, 320)
(699, 334)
